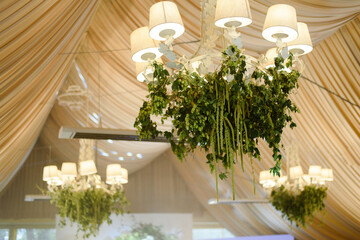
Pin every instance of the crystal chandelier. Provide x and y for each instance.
(296, 180)
(87, 176)
(149, 43)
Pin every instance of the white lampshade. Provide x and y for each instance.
(113, 170)
(87, 167)
(165, 20)
(302, 45)
(124, 176)
(296, 172)
(231, 13)
(50, 172)
(270, 55)
(282, 180)
(280, 22)
(68, 169)
(327, 174)
(143, 47)
(141, 72)
(266, 176)
(314, 171)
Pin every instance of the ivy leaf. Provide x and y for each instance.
(222, 176)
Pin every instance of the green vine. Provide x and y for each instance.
(224, 112)
(299, 207)
(88, 208)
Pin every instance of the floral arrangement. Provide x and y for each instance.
(224, 112)
(89, 208)
(299, 206)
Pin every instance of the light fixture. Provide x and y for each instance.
(68, 171)
(327, 175)
(144, 70)
(270, 55)
(165, 21)
(115, 174)
(232, 13)
(267, 179)
(74, 97)
(51, 175)
(302, 45)
(87, 167)
(297, 179)
(86, 177)
(296, 172)
(143, 48)
(165, 24)
(280, 23)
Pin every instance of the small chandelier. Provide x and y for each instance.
(74, 97)
(87, 176)
(296, 180)
(165, 24)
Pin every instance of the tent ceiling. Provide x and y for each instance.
(38, 42)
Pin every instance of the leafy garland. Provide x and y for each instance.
(224, 112)
(88, 208)
(144, 230)
(299, 207)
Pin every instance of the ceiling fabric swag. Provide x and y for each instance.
(32, 71)
(30, 79)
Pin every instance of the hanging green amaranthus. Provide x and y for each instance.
(224, 112)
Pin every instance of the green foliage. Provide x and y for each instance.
(88, 208)
(299, 207)
(223, 117)
(142, 230)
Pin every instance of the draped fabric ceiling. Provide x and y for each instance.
(48, 44)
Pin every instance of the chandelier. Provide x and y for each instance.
(297, 180)
(149, 43)
(74, 97)
(87, 176)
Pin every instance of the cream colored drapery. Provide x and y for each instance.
(35, 37)
(32, 35)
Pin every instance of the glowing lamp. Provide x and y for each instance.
(314, 171)
(280, 23)
(143, 48)
(327, 174)
(144, 72)
(302, 45)
(68, 169)
(87, 167)
(232, 13)
(165, 21)
(296, 172)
